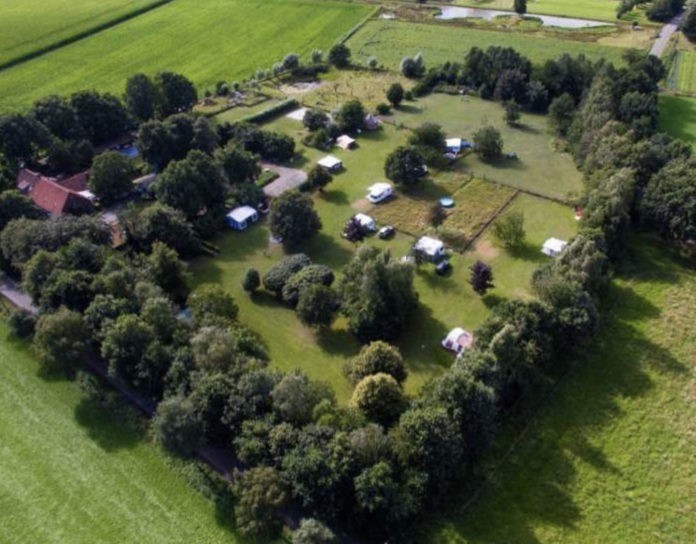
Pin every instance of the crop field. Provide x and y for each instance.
(206, 41)
(539, 167)
(390, 41)
(321, 355)
(31, 25)
(608, 455)
(686, 80)
(603, 10)
(678, 117)
(73, 473)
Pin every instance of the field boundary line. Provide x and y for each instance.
(490, 220)
(353, 31)
(81, 35)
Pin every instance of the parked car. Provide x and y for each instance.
(386, 232)
(443, 267)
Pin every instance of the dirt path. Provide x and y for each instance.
(666, 33)
(13, 292)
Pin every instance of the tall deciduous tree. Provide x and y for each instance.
(111, 176)
(293, 218)
(488, 143)
(260, 495)
(141, 97)
(481, 277)
(405, 166)
(60, 340)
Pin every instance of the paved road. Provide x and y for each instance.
(288, 178)
(666, 33)
(12, 291)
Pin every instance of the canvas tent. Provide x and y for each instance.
(553, 247)
(366, 222)
(331, 163)
(458, 340)
(240, 218)
(345, 142)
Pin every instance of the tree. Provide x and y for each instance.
(413, 67)
(204, 137)
(520, 6)
(162, 223)
(316, 305)
(111, 176)
(251, 281)
(260, 495)
(56, 114)
(125, 345)
(176, 93)
(512, 113)
(238, 165)
(562, 113)
(511, 85)
(309, 275)
(167, 271)
(395, 94)
(688, 23)
(293, 218)
(428, 135)
(312, 531)
(155, 144)
(351, 116)
(339, 56)
(375, 358)
(315, 119)
(481, 277)
(354, 231)
(22, 137)
(60, 340)
(295, 397)
(488, 143)
(101, 116)
(70, 288)
(177, 426)
(22, 323)
(319, 177)
(380, 398)
(210, 304)
(509, 230)
(278, 275)
(377, 294)
(14, 205)
(405, 166)
(140, 97)
(291, 62)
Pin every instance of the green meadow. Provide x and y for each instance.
(603, 10)
(678, 117)
(206, 41)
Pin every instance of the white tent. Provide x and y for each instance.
(241, 217)
(331, 163)
(553, 247)
(433, 248)
(458, 340)
(453, 145)
(366, 221)
(345, 142)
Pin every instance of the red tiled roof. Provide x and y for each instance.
(55, 197)
(76, 183)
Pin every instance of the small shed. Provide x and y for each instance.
(553, 247)
(453, 145)
(432, 248)
(366, 222)
(345, 142)
(331, 163)
(371, 122)
(458, 340)
(240, 218)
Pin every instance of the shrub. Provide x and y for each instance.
(251, 281)
(277, 276)
(375, 358)
(22, 323)
(177, 426)
(509, 230)
(488, 143)
(380, 398)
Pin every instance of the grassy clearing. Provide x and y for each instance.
(73, 473)
(322, 355)
(609, 455)
(30, 25)
(686, 81)
(539, 167)
(390, 41)
(678, 117)
(207, 41)
(603, 10)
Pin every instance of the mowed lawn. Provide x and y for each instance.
(686, 66)
(389, 41)
(678, 117)
(72, 473)
(609, 455)
(208, 41)
(29, 25)
(538, 168)
(445, 302)
(603, 10)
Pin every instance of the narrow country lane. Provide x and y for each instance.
(666, 33)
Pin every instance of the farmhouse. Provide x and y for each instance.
(345, 142)
(431, 248)
(240, 218)
(330, 163)
(553, 247)
(379, 192)
(458, 340)
(57, 197)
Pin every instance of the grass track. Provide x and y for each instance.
(678, 117)
(31, 25)
(609, 457)
(207, 41)
(72, 473)
(390, 41)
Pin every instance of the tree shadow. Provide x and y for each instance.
(410, 109)
(110, 431)
(491, 300)
(337, 342)
(527, 252)
(527, 129)
(336, 197)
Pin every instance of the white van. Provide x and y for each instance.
(379, 192)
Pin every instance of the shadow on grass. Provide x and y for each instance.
(410, 109)
(109, 431)
(336, 197)
(527, 252)
(337, 342)
(536, 455)
(491, 300)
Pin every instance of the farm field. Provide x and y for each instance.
(23, 30)
(613, 464)
(321, 355)
(73, 473)
(603, 10)
(678, 117)
(207, 42)
(686, 66)
(538, 168)
(390, 41)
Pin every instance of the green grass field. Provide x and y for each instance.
(678, 117)
(603, 10)
(686, 80)
(608, 456)
(73, 473)
(390, 41)
(321, 355)
(538, 168)
(30, 25)
(207, 41)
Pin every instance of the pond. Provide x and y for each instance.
(454, 12)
